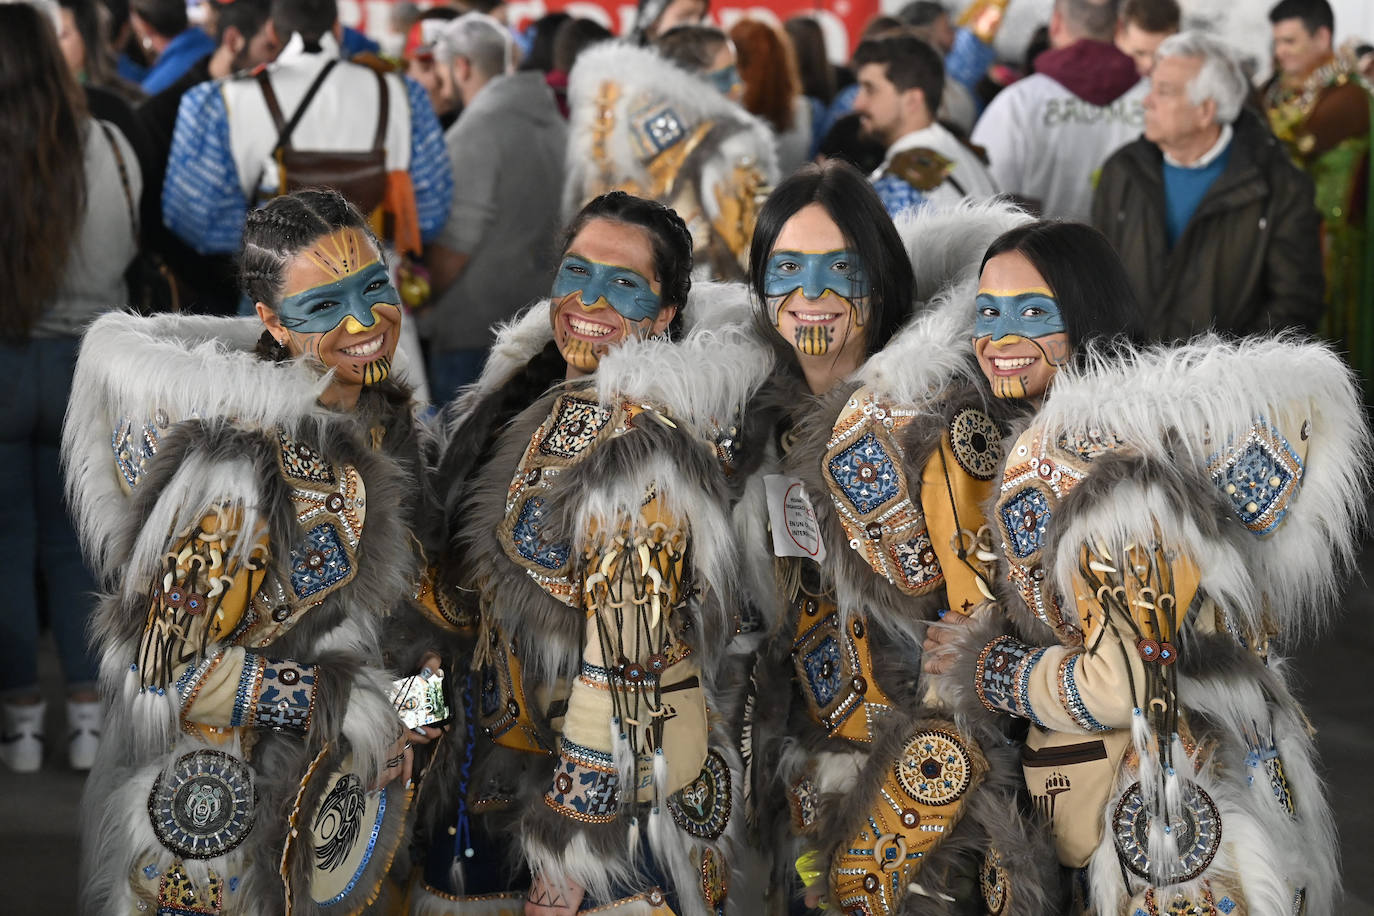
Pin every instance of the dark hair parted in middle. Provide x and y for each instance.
(668, 235)
(855, 207)
(1086, 276)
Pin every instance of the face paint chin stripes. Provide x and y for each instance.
(813, 340)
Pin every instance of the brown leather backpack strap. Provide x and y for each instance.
(383, 111)
(269, 95)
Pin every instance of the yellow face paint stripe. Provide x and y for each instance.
(1039, 290)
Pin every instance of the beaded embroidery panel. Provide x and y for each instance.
(835, 672)
(863, 468)
(585, 786)
(1038, 476)
(576, 425)
(1259, 477)
(331, 506)
(918, 804)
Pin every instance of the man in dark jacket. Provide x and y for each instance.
(1215, 225)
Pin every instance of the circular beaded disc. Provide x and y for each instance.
(204, 805)
(1198, 834)
(935, 768)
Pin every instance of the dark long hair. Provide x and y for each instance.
(276, 233)
(808, 41)
(668, 236)
(1086, 276)
(856, 209)
(43, 192)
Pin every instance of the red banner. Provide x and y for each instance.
(842, 21)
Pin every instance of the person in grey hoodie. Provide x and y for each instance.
(496, 254)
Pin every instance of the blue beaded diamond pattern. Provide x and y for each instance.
(319, 563)
(1259, 479)
(529, 540)
(822, 665)
(1025, 518)
(865, 474)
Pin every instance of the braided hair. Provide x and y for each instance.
(276, 233)
(668, 236)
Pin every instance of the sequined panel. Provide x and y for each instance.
(134, 446)
(576, 424)
(995, 883)
(177, 895)
(715, 879)
(1025, 519)
(656, 129)
(823, 669)
(320, 563)
(917, 561)
(702, 807)
(529, 541)
(1197, 835)
(865, 474)
(299, 461)
(868, 488)
(1259, 478)
(916, 807)
(204, 805)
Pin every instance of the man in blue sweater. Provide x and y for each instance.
(1216, 227)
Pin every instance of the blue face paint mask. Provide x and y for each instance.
(321, 309)
(842, 272)
(1030, 314)
(625, 290)
(724, 79)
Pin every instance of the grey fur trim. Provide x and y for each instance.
(947, 243)
(1177, 405)
(198, 463)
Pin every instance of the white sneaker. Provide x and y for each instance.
(83, 726)
(21, 743)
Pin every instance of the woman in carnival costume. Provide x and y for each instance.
(888, 443)
(1169, 518)
(592, 568)
(253, 513)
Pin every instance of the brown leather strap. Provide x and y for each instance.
(284, 131)
(269, 95)
(383, 111)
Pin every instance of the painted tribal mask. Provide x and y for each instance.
(1020, 339)
(817, 298)
(341, 308)
(596, 306)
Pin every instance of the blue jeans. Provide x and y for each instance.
(36, 535)
(448, 371)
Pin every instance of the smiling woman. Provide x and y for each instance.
(829, 273)
(1047, 292)
(624, 275)
(327, 298)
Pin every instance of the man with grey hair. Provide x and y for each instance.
(1215, 225)
(495, 255)
(1048, 134)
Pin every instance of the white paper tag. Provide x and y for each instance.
(796, 532)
